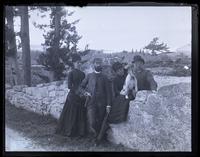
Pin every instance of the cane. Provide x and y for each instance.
(103, 127)
(86, 101)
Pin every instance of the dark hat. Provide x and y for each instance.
(75, 57)
(97, 60)
(138, 58)
(116, 66)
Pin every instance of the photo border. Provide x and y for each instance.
(194, 77)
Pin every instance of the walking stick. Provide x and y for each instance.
(87, 101)
(103, 127)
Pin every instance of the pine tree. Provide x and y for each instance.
(60, 42)
(154, 46)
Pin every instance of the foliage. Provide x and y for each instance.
(59, 46)
(154, 46)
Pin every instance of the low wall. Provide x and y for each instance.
(43, 99)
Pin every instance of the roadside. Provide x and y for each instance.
(28, 131)
(16, 142)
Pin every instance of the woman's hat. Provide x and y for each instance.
(97, 60)
(116, 66)
(138, 58)
(75, 57)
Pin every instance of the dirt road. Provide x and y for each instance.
(27, 131)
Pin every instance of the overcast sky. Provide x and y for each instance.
(126, 28)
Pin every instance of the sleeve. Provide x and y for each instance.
(70, 80)
(108, 91)
(125, 86)
(115, 90)
(83, 85)
(83, 76)
(152, 82)
(79, 90)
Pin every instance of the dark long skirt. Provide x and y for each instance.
(119, 110)
(72, 121)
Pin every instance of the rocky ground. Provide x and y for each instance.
(27, 131)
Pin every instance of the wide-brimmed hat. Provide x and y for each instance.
(138, 58)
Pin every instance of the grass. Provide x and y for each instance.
(41, 130)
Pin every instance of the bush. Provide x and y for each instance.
(180, 71)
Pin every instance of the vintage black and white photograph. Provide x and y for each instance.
(98, 78)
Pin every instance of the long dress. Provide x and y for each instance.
(120, 105)
(72, 121)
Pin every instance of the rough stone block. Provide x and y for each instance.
(40, 85)
(63, 86)
(8, 86)
(51, 87)
(157, 121)
(43, 92)
(19, 88)
(61, 93)
(29, 90)
(55, 111)
(52, 94)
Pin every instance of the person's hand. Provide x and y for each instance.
(153, 91)
(87, 94)
(122, 92)
(108, 108)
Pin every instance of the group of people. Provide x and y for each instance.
(93, 96)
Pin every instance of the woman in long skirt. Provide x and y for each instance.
(120, 105)
(72, 121)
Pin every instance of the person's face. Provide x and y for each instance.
(98, 66)
(77, 64)
(120, 72)
(138, 65)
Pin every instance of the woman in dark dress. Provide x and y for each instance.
(120, 105)
(72, 121)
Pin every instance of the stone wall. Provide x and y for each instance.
(44, 99)
(158, 121)
(49, 98)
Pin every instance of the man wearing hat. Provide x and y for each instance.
(96, 86)
(145, 80)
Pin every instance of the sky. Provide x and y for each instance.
(115, 29)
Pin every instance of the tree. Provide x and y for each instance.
(25, 40)
(60, 42)
(10, 45)
(154, 46)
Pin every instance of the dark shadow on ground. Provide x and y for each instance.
(41, 130)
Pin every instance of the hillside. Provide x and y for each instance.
(171, 64)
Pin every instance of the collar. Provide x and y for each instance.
(96, 72)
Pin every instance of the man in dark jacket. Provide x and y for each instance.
(96, 85)
(145, 80)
